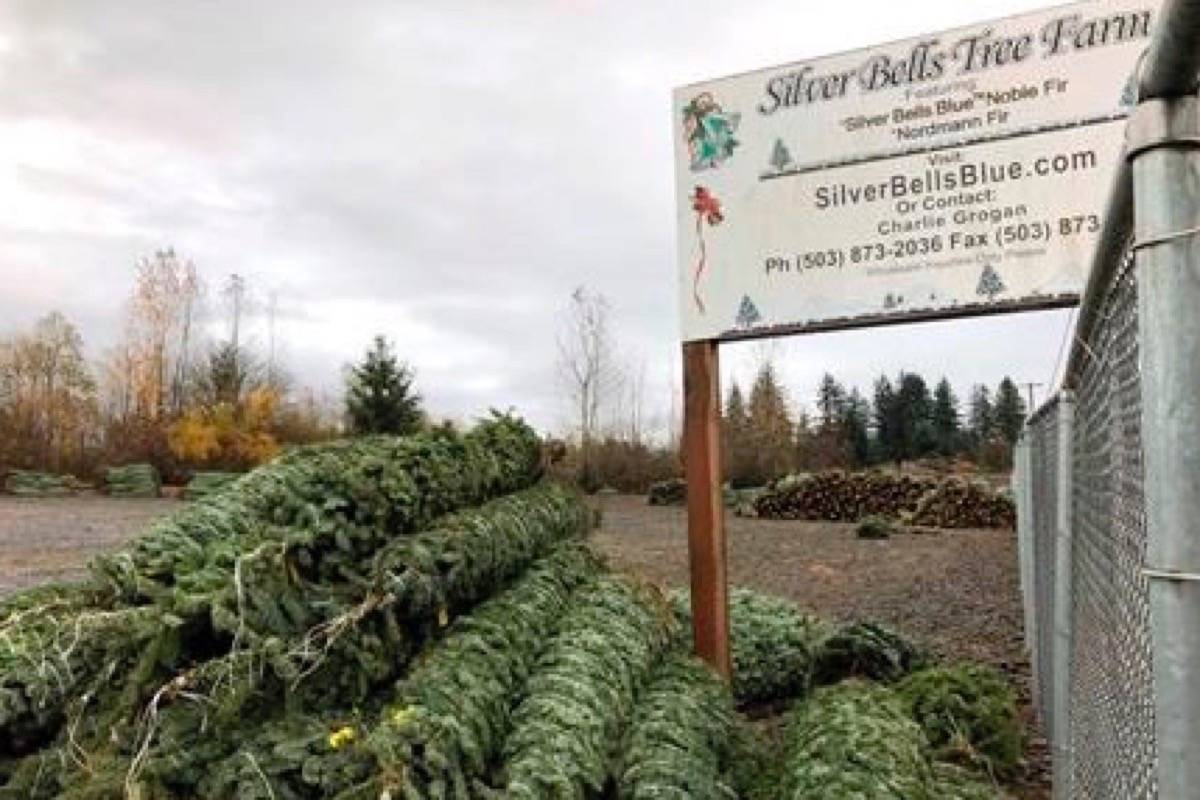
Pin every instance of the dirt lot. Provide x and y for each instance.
(52, 539)
(956, 591)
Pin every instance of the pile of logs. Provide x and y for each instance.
(959, 504)
(849, 497)
(842, 496)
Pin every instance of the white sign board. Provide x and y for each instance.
(952, 174)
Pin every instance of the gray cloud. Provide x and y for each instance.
(444, 173)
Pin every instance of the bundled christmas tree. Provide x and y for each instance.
(133, 480)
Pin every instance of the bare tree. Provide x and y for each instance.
(47, 395)
(634, 393)
(192, 291)
(156, 307)
(587, 365)
(146, 373)
(272, 310)
(234, 293)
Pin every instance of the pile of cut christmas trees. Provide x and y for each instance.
(30, 483)
(851, 496)
(421, 617)
(133, 480)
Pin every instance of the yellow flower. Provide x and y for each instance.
(341, 737)
(402, 716)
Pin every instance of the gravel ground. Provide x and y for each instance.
(956, 591)
(52, 539)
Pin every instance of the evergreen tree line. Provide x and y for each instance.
(902, 420)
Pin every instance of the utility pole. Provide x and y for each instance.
(235, 290)
(1029, 388)
(272, 306)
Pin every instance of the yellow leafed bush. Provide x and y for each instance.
(228, 435)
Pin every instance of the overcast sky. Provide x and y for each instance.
(444, 173)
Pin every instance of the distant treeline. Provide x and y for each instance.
(171, 394)
(902, 420)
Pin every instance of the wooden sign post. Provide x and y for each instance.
(706, 509)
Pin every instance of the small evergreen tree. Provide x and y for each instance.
(946, 422)
(806, 454)
(736, 417)
(888, 433)
(231, 372)
(979, 419)
(379, 393)
(1009, 411)
(831, 402)
(915, 415)
(856, 416)
(739, 451)
(831, 447)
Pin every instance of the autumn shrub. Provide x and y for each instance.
(227, 435)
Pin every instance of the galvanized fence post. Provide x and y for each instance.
(1022, 485)
(1063, 606)
(1164, 150)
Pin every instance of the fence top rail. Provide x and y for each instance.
(1045, 410)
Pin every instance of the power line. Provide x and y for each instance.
(1062, 345)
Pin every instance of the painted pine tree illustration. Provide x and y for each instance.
(990, 284)
(781, 159)
(748, 314)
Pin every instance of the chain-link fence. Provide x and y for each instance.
(1042, 436)
(1111, 572)
(1087, 551)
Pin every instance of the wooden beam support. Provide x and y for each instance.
(706, 510)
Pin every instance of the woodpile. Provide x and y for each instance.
(959, 504)
(850, 497)
(842, 496)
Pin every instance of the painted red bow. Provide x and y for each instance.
(708, 209)
(706, 205)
